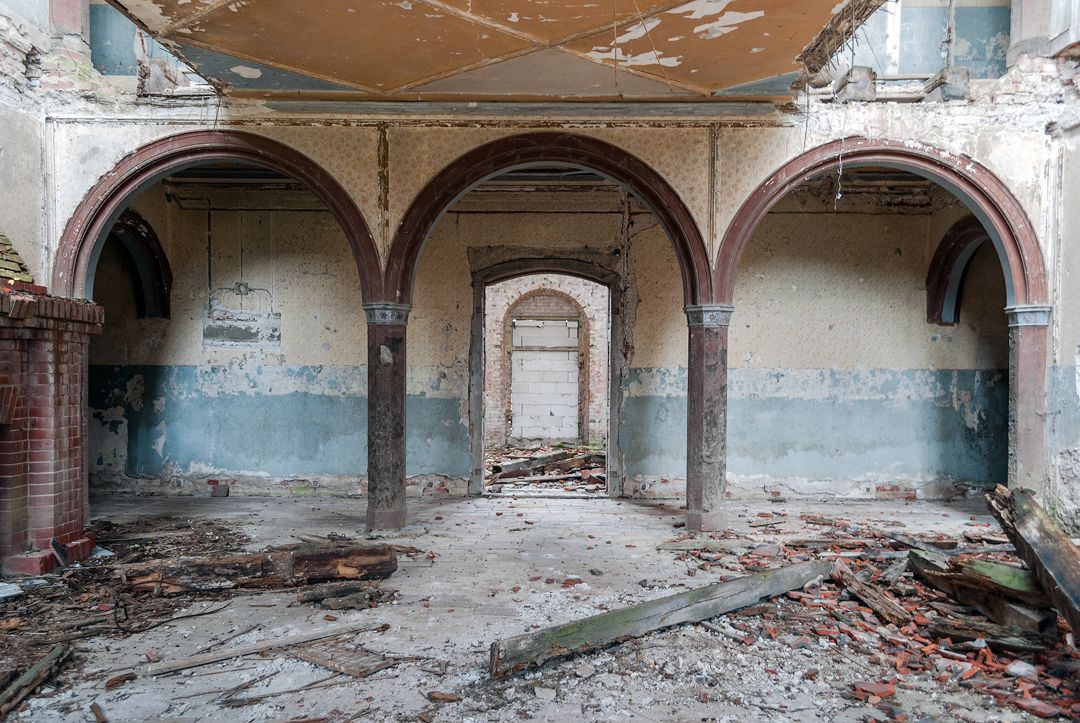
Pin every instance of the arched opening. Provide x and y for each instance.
(133, 238)
(546, 218)
(256, 381)
(545, 384)
(830, 327)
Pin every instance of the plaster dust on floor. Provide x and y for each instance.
(483, 569)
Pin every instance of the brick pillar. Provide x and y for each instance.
(1028, 327)
(386, 415)
(706, 417)
(43, 347)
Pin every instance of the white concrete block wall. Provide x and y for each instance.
(544, 383)
(528, 295)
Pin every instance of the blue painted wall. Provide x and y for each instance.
(172, 421)
(901, 423)
(112, 42)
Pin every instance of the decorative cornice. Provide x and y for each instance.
(709, 314)
(1029, 314)
(387, 314)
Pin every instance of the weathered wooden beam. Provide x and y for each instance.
(25, 684)
(533, 649)
(1045, 548)
(284, 566)
(998, 637)
(885, 607)
(988, 587)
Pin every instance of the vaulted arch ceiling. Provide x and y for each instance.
(503, 49)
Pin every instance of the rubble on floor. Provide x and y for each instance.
(861, 641)
(914, 626)
(149, 581)
(558, 469)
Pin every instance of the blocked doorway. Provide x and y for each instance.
(546, 386)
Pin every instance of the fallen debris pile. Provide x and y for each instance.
(971, 615)
(128, 590)
(578, 470)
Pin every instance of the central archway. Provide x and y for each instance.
(532, 149)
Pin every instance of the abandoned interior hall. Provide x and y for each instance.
(559, 360)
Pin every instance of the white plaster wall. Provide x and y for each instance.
(302, 257)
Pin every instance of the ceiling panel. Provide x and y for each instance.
(552, 20)
(380, 45)
(713, 44)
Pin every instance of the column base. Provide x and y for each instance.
(385, 519)
(40, 562)
(715, 521)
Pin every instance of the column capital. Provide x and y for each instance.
(1029, 314)
(387, 314)
(709, 314)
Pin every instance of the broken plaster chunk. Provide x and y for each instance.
(547, 694)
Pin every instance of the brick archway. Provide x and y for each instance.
(103, 204)
(1002, 219)
(530, 149)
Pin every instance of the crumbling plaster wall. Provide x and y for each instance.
(1063, 380)
(169, 409)
(22, 130)
(838, 386)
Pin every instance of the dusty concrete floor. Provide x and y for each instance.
(487, 581)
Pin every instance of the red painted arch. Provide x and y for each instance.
(990, 200)
(527, 149)
(103, 204)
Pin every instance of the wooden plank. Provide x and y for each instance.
(533, 649)
(284, 566)
(270, 644)
(885, 607)
(998, 637)
(987, 586)
(947, 574)
(26, 683)
(1041, 544)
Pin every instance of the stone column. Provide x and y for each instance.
(706, 417)
(386, 415)
(1028, 327)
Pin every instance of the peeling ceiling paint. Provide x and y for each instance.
(453, 49)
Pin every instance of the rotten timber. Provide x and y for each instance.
(280, 567)
(885, 607)
(26, 683)
(1006, 594)
(1042, 545)
(998, 637)
(519, 653)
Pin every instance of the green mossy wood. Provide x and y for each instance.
(519, 653)
(1041, 544)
